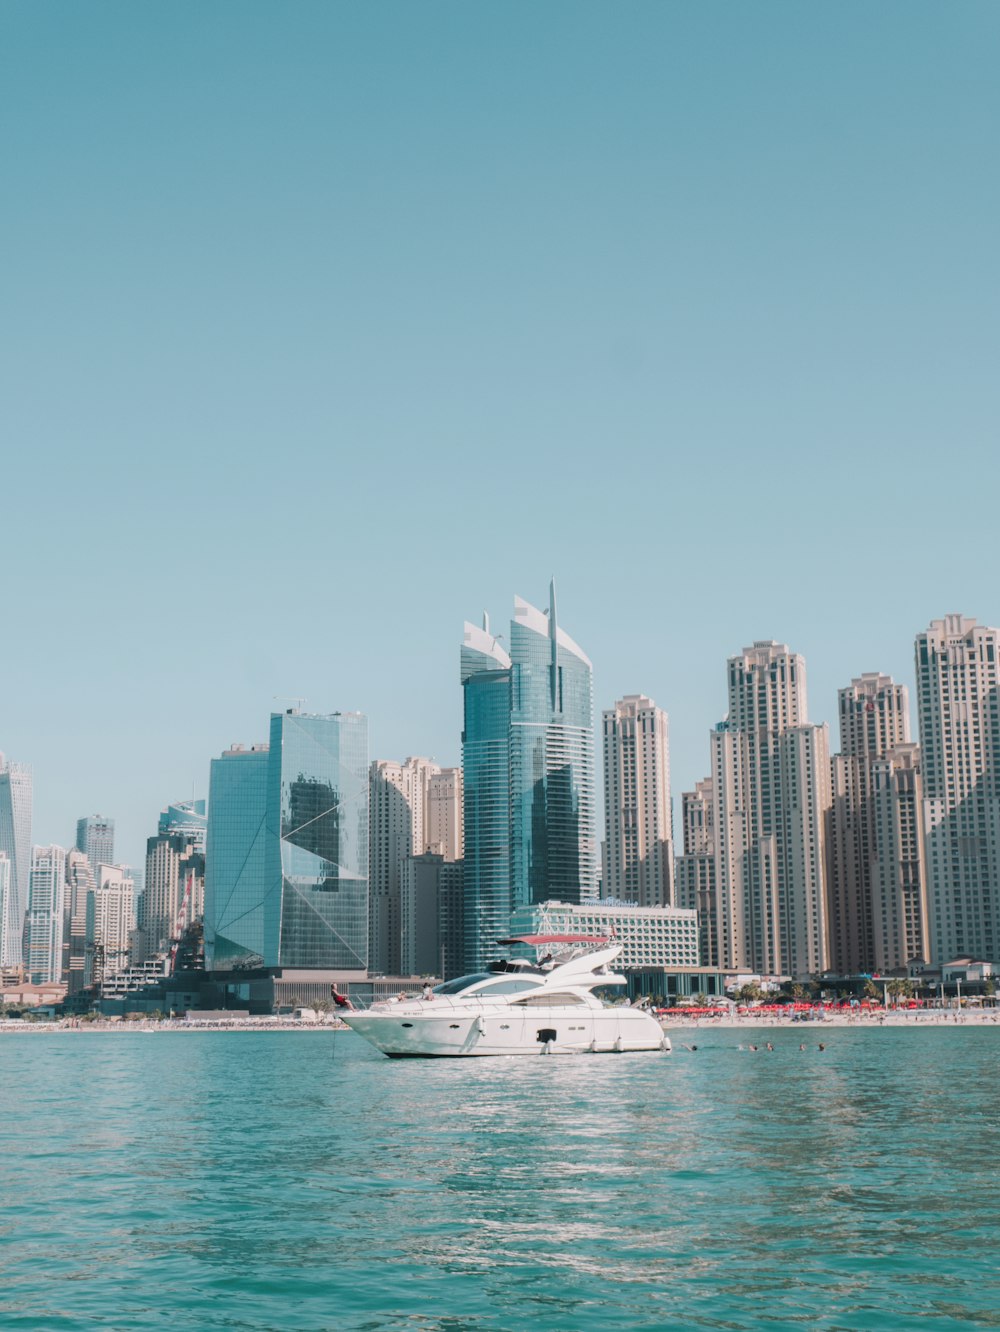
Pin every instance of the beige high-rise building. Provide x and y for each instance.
(771, 776)
(958, 698)
(415, 807)
(638, 818)
(110, 922)
(874, 720)
(174, 892)
(899, 877)
(694, 871)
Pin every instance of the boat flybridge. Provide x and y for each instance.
(517, 1007)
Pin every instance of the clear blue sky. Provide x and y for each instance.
(326, 325)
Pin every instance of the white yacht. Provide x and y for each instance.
(517, 1008)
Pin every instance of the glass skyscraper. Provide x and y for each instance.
(236, 883)
(317, 843)
(485, 676)
(528, 763)
(287, 853)
(15, 844)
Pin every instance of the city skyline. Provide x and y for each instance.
(135, 837)
(321, 337)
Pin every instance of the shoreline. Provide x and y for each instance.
(935, 1018)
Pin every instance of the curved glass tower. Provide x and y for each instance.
(528, 767)
(485, 675)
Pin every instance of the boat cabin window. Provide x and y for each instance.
(547, 1000)
(512, 986)
(461, 983)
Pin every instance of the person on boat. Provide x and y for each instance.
(426, 992)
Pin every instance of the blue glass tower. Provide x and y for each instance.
(554, 850)
(236, 883)
(528, 767)
(286, 872)
(317, 841)
(485, 676)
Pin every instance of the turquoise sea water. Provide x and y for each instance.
(302, 1181)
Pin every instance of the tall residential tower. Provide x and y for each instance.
(771, 774)
(874, 720)
(958, 697)
(638, 821)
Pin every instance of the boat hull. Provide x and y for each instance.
(509, 1031)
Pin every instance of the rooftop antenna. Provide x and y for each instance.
(288, 698)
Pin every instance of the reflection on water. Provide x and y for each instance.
(285, 1181)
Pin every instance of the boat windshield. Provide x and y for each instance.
(461, 983)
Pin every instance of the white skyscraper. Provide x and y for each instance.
(958, 697)
(638, 821)
(15, 844)
(771, 775)
(874, 719)
(46, 899)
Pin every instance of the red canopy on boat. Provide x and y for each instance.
(536, 939)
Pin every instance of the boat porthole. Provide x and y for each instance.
(505, 1026)
(454, 1026)
(407, 1024)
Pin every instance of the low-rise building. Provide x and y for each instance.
(659, 944)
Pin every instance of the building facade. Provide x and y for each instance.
(485, 677)
(46, 904)
(958, 698)
(638, 819)
(236, 868)
(900, 916)
(651, 938)
(874, 719)
(187, 818)
(431, 916)
(694, 872)
(415, 808)
(174, 892)
(15, 844)
(95, 837)
(110, 923)
(316, 849)
(79, 883)
(771, 777)
(528, 770)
